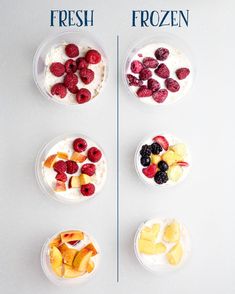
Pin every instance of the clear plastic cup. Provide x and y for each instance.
(73, 196)
(81, 38)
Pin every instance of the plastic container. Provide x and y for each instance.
(39, 66)
(64, 143)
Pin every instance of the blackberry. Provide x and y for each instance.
(145, 161)
(161, 177)
(145, 150)
(163, 166)
(156, 148)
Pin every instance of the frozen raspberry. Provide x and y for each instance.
(60, 166)
(182, 73)
(143, 91)
(59, 89)
(73, 89)
(136, 66)
(150, 62)
(93, 56)
(172, 85)
(160, 96)
(70, 80)
(133, 81)
(94, 154)
(57, 69)
(88, 189)
(86, 75)
(162, 54)
(83, 95)
(81, 63)
(61, 177)
(71, 50)
(70, 66)
(72, 167)
(79, 145)
(153, 85)
(162, 71)
(145, 74)
(88, 169)
(150, 171)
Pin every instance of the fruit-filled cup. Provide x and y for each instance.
(162, 244)
(70, 257)
(162, 160)
(71, 168)
(70, 68)
(157, 70)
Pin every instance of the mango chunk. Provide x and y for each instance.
(70, 272)
(148, 247)
(55, 257)
(175, 255)
(71, 236)
(68, 254)
(90, 266)
(81, 260)
(150, 233)
(172, 232)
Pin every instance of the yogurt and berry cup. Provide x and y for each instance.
(70, 69)
(162, 244)
(162, 160)
(71, 168)
(70, 257)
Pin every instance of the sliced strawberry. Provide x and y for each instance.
(182, 163)
(150, 171)
(162, 141)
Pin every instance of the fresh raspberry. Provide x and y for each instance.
(94, 154)
(86, 75)
(136, 66)
(83, 95)
(57, 69)
(70, 66)
(160, 96)
(162, 71)
(59, 89)
(79, 145)
(153, 85)
(172, 85)
(133, 81)
(61, 177)
(60, 166)
(71, 50)
(81, 63)
(70, 80)
(143, 91)
(150, 171)
(88, 169)
(72, 167)
(73, 89)
(162, 54)
(88, 189)
(182, 73)
(145, 74)
(150, 62)
(93, 56)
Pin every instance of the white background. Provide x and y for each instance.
(205, 119)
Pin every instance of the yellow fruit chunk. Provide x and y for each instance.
(78, 157)
(70, 272)
(71, 236)
(179, 149)
(59, 271)
(62, 155)
(84, 179)
(151, 248)
(90, 266)
(150, 233)
(68, 254)
(172, 232)
(175, 255)
(160, 248)
(74, 182)
(81, 260)
(169, 157)
(155, 158)
(55, 242)
(55, 257)
(174, 173)
(49, 162)
(92, 248)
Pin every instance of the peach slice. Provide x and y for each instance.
(70, 272)
(62, 155)
(74, 182)
(84, 179)
(68, 254)
(78, 157)
(90, 266)
(55, 257)
(59, 271)
(55, 242)
(60, 186)
(81, 260)
(92, 248)
(49, 162)
(71, 236)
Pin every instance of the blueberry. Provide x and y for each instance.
(145, 161)
(163, 166)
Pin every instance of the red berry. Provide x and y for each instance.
(182, 163)
(153, 85)
(59, 89)
(61, 177)
(81, 63)
(161, 140)
(73, 89)
(70, 80)
(136, 66)
(60, 166)
(150, 171)
(70, 66)
(133, 81)
(86, 75)
(88, 189)
(83, 95)
(143, 91)
(57, 69)
(75, 242)
(79, 145)
(182, 73)
(71, 50)
(94, 154)
(150, 62)
(88, 169)
(145, 74)
(93, 56)
(160, 95)
(72, 167)
(172, 85)
(162, 54)
(162, 71)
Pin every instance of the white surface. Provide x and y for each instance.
(204, 202)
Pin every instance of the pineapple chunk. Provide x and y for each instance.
(179, 149)
(160, 248)
(174, 173)
(84, 179)
(148, 247)
(169, 157)
(150, 233)
(155, 158)
(175, 255)
(172, 232)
